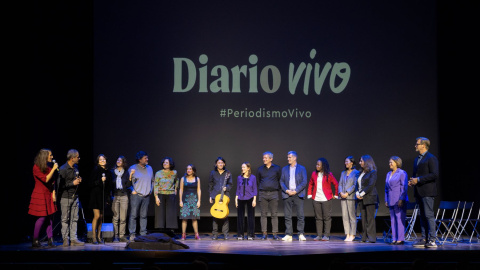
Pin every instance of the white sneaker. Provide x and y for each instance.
(302, 238)
(287, 238)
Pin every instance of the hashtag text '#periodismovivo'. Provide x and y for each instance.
(263, 113)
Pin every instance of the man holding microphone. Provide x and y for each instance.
(69, 180)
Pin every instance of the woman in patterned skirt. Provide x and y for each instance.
(190, 195)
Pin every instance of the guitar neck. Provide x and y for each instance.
(224, 185)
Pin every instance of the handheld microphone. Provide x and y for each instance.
(76, 173)
(55, 162)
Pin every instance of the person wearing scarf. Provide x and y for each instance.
(120, 186)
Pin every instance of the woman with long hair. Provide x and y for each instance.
(189, 196)
(246, 197)
(367, 197)
(42, 202)
(99, 184)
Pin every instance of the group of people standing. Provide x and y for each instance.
(132, 186)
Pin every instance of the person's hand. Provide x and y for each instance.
(198, 204)
(54, 198)
(77, 181)
(412, 181)
(157, 201)
(400, 203)
(360, 198)
(55, 166)
(386, 204)
(254, 203)
(236, 203)
(134, 192)
(181, 203)
(211, 201)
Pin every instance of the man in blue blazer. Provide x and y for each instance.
(424, 180)
(293, 182)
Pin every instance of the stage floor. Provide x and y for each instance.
(235, 254)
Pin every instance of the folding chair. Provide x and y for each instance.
(462, 219)
(445, 220)
(473, 222)
(410, 220)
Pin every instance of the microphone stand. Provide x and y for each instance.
(103, 203)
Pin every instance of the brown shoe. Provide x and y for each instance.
(65, 243)
(76, 242)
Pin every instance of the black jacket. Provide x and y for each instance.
(369, 181)
(427, 173)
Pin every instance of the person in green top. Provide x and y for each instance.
(165, 190)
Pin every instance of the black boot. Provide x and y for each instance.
(36, 244)
(51, 243)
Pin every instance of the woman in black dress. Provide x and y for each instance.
(100, 179)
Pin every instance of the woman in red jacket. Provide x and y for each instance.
(320, 191)
(42, 202)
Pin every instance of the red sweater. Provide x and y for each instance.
(326, 185)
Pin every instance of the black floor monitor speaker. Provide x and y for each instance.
(107, 232)
(156, 241)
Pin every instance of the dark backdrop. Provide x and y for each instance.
(146, 55)
(62, 108)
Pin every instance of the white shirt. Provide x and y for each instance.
(362, 193)
(319, 195)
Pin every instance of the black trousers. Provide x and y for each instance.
(323, 216)
(269, 201)
(166, 213)
(242, 204)
(369, 229)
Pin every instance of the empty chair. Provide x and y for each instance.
(474, 222)
(410, 220)
(445, 220)
(463, 216)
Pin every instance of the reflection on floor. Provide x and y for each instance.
(251, 254)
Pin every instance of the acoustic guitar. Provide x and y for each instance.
(220, 207)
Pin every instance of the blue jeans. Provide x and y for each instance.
(427, 217)
(289, 203)
(138, 207)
